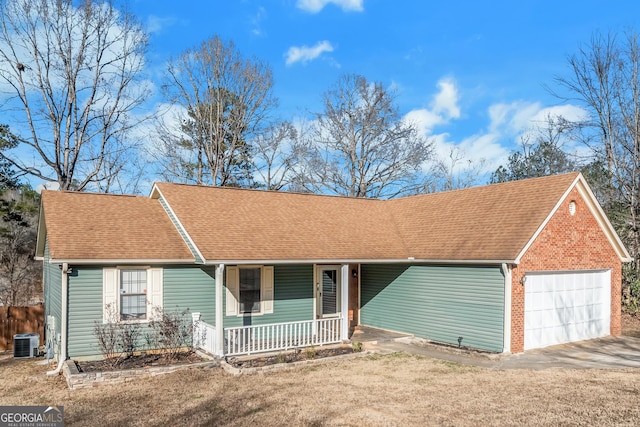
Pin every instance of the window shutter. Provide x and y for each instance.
(110, 291)
(154, 292)
(267, 290)
(232, 291)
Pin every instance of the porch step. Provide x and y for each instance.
(373, 336)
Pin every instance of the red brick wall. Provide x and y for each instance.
(566, 243)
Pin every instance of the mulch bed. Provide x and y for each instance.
(289, 357)
(140, 361)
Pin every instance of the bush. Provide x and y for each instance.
(117, 340)
(171, 331)
(630, 291)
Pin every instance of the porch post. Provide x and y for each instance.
(219, 342)
(344, 302)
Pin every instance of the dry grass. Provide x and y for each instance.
(378, 390)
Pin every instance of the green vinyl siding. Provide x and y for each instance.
(184, 287)
(85, 309)
(437, 302)
(292, 301)
(52, 278)
(193, 288)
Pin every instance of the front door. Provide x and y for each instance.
(328, 290)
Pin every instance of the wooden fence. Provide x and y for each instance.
(20, 320)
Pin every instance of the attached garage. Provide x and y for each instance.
(562, 307)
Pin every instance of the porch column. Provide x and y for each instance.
(219, 343)
(344, 302)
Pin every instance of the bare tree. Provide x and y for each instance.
(361, 147)
(454, 172)
(70, 79)
(605, 80)
(20, 274)
(223, 101)
(276, 154)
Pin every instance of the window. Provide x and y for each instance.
(249, 290)
(133, 294)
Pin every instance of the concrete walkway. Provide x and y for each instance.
(603, 353)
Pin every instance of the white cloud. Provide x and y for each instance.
(519, 118)
(305, 54)
(156, 24)
(424, 119)
(442, 108)
(315, 6)
(491, 146)
(256, 21)
(446, 101)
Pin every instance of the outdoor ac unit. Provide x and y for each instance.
(26, 345)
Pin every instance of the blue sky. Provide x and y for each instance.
(470, 73)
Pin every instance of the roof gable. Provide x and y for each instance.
(245, 225)
(492, 222)
(89, 226)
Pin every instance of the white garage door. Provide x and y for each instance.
(562, 307)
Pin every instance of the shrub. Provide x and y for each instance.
(310, 352)
(117, 340)
(171, 331)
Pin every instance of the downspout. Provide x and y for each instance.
(62, 357)
(506, 339)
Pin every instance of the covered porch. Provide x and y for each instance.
(318, 305)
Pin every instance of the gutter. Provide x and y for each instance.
(123, 261)
(409, 260)
(63, 321)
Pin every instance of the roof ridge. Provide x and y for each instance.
(492, 185)
(92, 193)
(259, 190)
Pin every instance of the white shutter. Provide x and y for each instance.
(232, 290)
(267, 290)
(110, 291)
(154, 292)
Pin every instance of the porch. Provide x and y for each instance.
(263, 308)
(245, 340)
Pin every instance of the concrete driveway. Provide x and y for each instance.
(603, 353)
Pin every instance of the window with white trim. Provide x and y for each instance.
(249, 290)
(131, 293)
(250, 283)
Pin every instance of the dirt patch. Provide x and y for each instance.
(140, 361)
(631, 325)
(289, 357)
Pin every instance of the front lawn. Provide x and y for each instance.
(377, 390)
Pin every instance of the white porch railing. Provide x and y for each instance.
(281, 336)
(204, 336)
